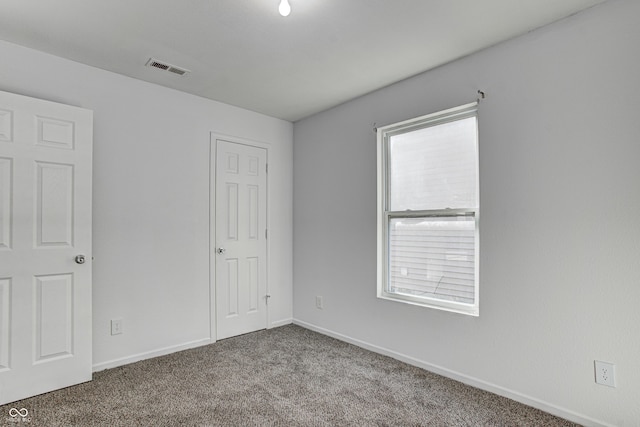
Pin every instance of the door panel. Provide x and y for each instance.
(54, 209)
(45, 221)
(53, 305)
(240, 227)
(5, 315)
(6, 167)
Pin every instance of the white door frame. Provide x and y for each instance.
(214, 137)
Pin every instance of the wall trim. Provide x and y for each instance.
(168, 350)
(465, 379)
(150, 354)
(278, 323)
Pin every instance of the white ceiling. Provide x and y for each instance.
(243, 53)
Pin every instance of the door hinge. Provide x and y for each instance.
(266, 167)
(266, 234)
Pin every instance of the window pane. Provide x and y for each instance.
(434, 167)
(432, 257)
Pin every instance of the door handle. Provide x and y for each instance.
(80, 259)
(221, 251)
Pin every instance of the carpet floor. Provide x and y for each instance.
(287, 376)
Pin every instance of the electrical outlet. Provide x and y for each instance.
(605, 373)
(319, 303)
(116, 326)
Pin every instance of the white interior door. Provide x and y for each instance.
(45, 223)
(240, 238)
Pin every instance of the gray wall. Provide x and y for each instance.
(559, 235)
(151, 201)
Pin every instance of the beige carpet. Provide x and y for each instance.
(287, 376)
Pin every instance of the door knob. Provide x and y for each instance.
(80, 259)
(221, 251)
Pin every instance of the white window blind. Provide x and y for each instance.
(428, 217)
(433, 257)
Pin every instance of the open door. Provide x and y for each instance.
(45, 246)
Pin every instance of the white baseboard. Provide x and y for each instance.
(282, 322)
(149, 355)
(474, 382)
(168, 350)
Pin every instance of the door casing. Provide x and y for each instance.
(214, 137)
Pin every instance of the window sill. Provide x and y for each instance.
(453, 307)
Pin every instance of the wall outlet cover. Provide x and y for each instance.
(116, 326)
(605, 373)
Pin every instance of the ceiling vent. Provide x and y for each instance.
(164, 66)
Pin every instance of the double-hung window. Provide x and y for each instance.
(428, 210)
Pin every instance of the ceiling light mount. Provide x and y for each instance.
(284, 8)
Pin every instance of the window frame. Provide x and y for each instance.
(384, 216)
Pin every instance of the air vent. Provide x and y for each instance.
(160, 65)
(178, 71)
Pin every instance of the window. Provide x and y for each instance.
(428, 210)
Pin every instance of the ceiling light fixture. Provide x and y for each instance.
(284, 8)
